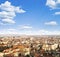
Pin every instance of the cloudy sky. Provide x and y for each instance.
(31, 17)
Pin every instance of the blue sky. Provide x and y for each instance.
(31, 17)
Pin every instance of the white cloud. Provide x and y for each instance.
(53, 23)
(25, 27)
(8, 31)
(58, 1)
(46, 32)
(8, 20)
(54, 4)
(57, 13)
(29, 32)
(8, 12)
(51, 3)
(10, 8)
(19, 10)
(41, 32)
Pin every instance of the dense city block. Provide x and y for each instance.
(30, 46)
